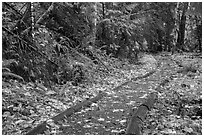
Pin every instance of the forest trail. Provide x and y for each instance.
(179, 99)
(102, 68)
(109, 115)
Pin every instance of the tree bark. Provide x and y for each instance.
(199, 34)
(103, 9)
(181, 33)
(68, 112)
(138, 117)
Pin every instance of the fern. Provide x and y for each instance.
(6, 71)
(8, 62)
(9, 74)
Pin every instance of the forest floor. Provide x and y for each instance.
(177, 111)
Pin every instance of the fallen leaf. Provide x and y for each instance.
(115, 131)
(27, 94)
(101, 119)
(50, 92)
(94, 104)
(131, 103)
(144, 96)
(87, 126)
(6, 114)
(122, 122)
(187, 129)
(116, 110)
(19, 121)
(6, 90)
(79, 122)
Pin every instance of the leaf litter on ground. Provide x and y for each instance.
(43, 105)
(182, 89)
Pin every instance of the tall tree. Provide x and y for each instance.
(182, 24)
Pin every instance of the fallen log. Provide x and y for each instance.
(68, 112)
(134, 79)
(138, 116)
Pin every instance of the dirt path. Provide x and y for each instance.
(109, 115)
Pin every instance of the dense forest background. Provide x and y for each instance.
(60, 35)
(51, 44)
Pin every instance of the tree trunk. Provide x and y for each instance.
(160, 40)
(199, 33)
(103, 9)
(122, 51)
(181, 33)
(167, 45)
(175, 29)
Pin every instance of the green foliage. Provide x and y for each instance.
(12, 75)
(68, 52)
(121, 29)
(6, 72)
(7, 63)
(195, 9)
(144, 29)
